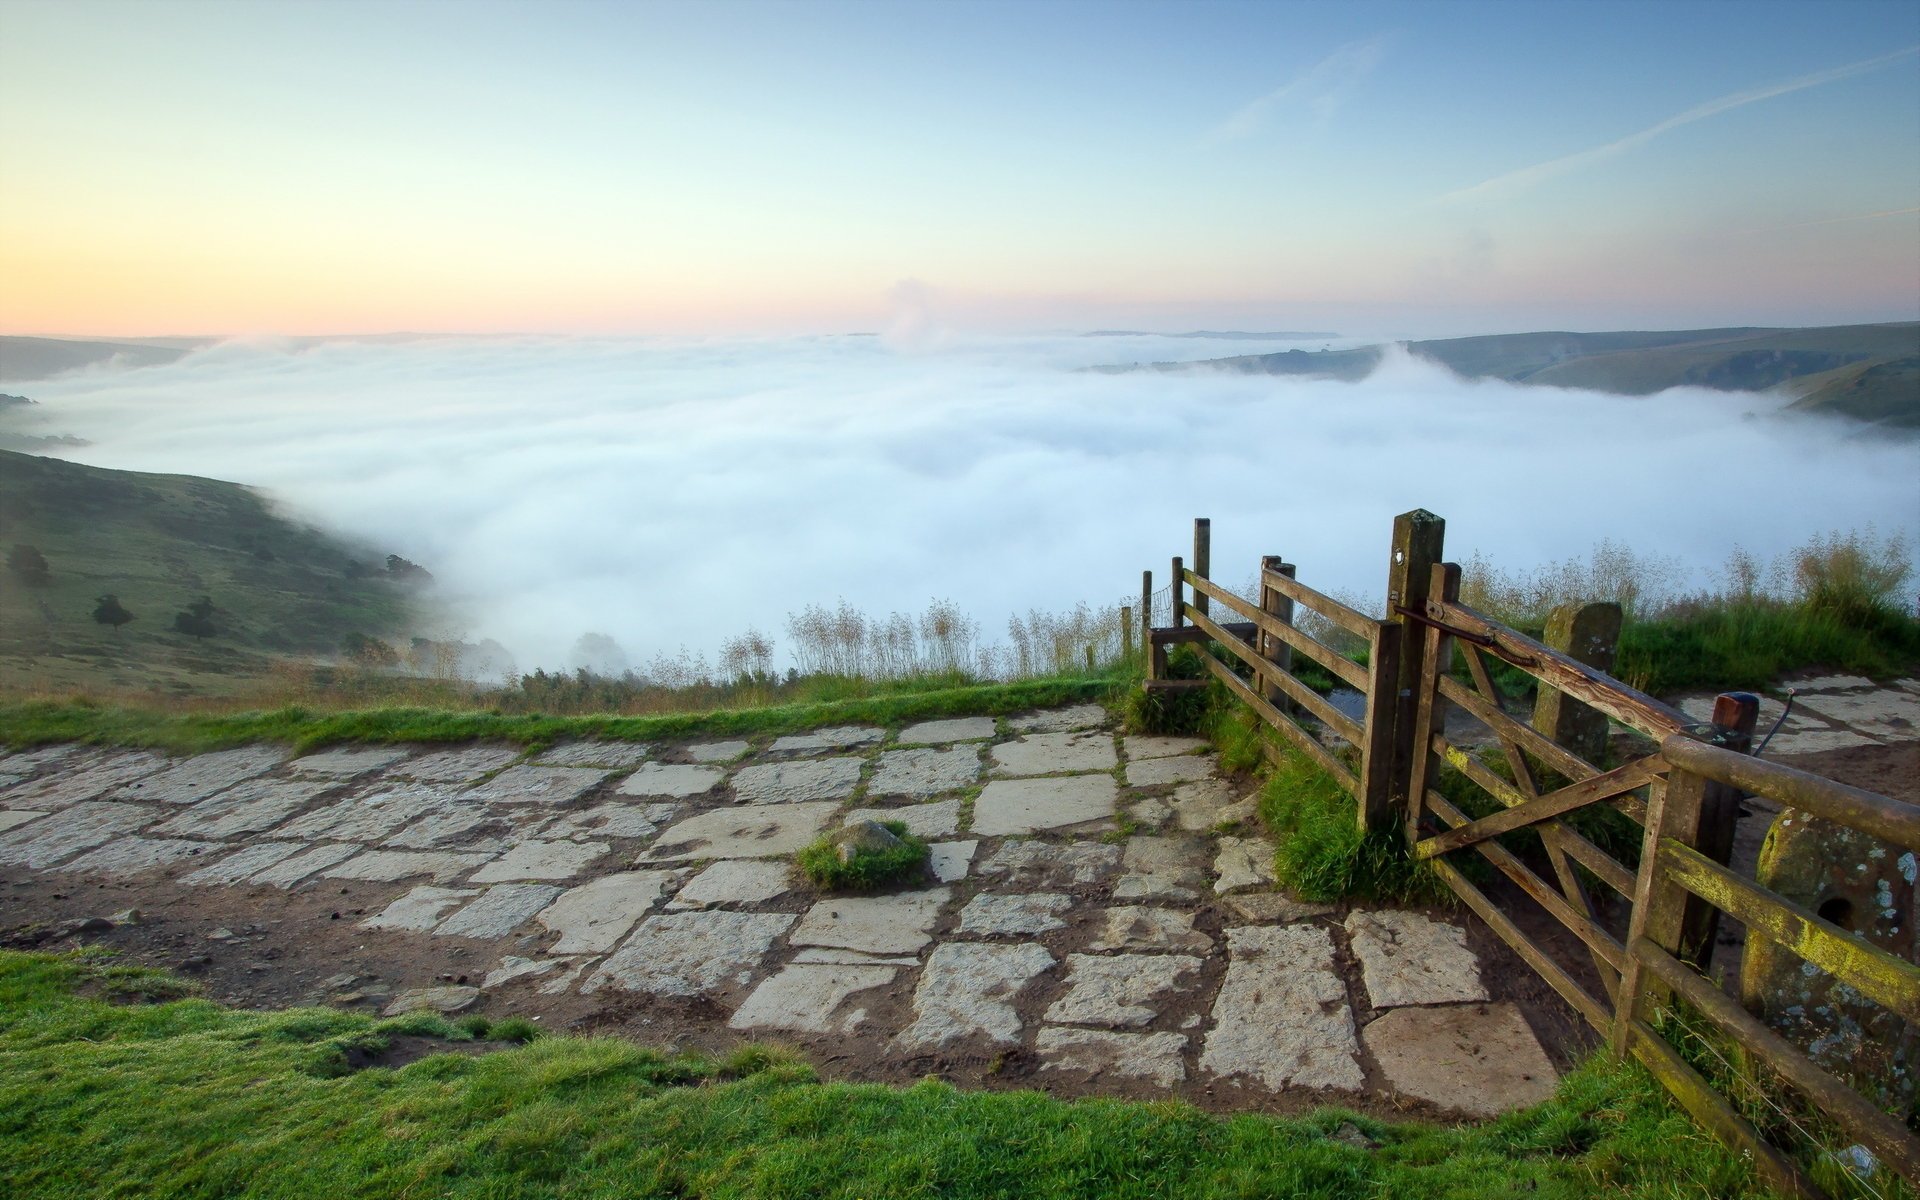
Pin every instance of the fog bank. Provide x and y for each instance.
(673, 492)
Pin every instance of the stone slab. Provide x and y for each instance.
(14, 817)
(948, 861)
(135, 856)
(513, 966)
(457, 766)
(1054, 754)
(369, 817)
(924, 771)
(541, 860)
(1150, 812)
(83, 777)
(811, 998)
(1164, 868)
(566, 978)
(1052, 865)
(237, 866)
(1281, 1017)
(1815, 741)
(898, 924)
(389, 866)
(346, 762)
(1027, 805)
(1121, 990)
(794, 782)
(993, 915)
(1479, 1059)
(1144, 746)
(592, 918)
(1154, 1057)
(464, 825)
(28, 761)
(1406, 958)
(1834, 683)
(967, 990)
(691, 953)
(735, 881)
(816, 954)
(1242, 864)
(419, 910)
(822, 741)
(1275, 907)
(941, 733)
(618, 755)
(61, 835)
(940, 818)
(750, 831)
(675, 780)
(1138, 929)
(526, 784)
(445, 1000)
(191, 780)
(499, 911)
(252, 806)
(295, 868)
(1060, 720)
(1884, 713)
(1157, 772)
(717, 752)
(631, 822)
(1206, 804)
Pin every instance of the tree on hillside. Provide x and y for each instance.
(108, 610)
(196, 620)
(406, 571)
(368, 651)
(29, 565)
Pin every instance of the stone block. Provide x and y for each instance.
(1478, 1059)
(749, 831)
(1008, 806)
(791, 782)
(1281, 1017)
(1054, 754)
(968, 989)
(897, 924)
(1406, 958)
(924, 771)
(691, 953)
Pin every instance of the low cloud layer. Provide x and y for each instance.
(675, 492)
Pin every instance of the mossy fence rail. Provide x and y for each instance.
(1644, 933)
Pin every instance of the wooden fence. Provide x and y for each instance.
(1648, 937)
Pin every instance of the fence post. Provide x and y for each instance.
(1434, 648)
(1419, 540)
(1659, 905)
(1587, 633)
(1126, 634)
(1202, 559)
(1278, 605)
(1146, 607)
(1734, 716)
(1178, 590)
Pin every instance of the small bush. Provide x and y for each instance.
(1175, 713)
(821, 864)
(1322, 854)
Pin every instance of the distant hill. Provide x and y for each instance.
(1867, 372)
(23, 359)
(159, 542)
(1223, 335)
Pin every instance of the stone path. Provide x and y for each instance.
(1103, 911)
(1831, 712)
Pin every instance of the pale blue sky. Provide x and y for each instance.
(174, 167)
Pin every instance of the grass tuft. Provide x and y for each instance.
(1323, 855)
(867, 870)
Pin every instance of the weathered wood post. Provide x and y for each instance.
(1588, 633)
(1659, 904)
(1178, 590)
(1734, 716)
(1090, 667)
(1126, 634)
(1202, 559)
(1419, 541)
(1435, 652)
(1146, 608)
(1278, 605)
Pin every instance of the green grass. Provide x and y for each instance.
(1749, 644)
(1322, 853)
(42, 722)
(867, 870)
(187, 1099)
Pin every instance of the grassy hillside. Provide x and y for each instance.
(158, 543)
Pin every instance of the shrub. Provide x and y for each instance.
(866, 870)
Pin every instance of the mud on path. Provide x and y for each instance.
(1103, 922)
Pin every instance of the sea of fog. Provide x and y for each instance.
(674, 492)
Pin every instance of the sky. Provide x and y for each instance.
(1399, 170)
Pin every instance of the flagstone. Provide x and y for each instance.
(1206, 804)
(948, 861)
(811, 998)
(1154, 1057)
(295, 868)
(840, 737)
(735, 881)
(1406, 958)
(541, 860)
(457, 766)
(1243, 863)
(993, 915)
(1168, 868)
(345, 762)
(369, 817)
(12, 817)
(593, 754)
(1154, 772)
(1144, 746)
(939, 818)
(237, 866)
(967, 990)
(1060, 720)
(387, 866)
(1138, 928)
(791, 782)
(63, 834)
(691, 953)
(1479, 1059)
(1026, 805)
(676, 780)
(924, 771)
(191, 780)
(896, 924)
(499, 911)
(954, 729)
(85, 779)
(717, 752)
(419, 910)
(251, 806)
(592, 918)
(527, 784)
(1120, 989)
(1281, 1017)
(1054, 753)
(1052, 864)
(748, 831)
(134, 855)
(632, 822)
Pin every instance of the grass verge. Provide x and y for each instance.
(1323, 855)
(40, 722)
(189, 1099)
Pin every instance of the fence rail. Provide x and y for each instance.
(1650, 945)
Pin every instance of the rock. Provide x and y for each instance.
(692, 953)
(928, 820)
(1167, 868)
(1142, 746)
(1054, 753)
(750, 831)
(1351, 1135)
(1407, 959)
(499, 911)
(791, 782)
(346, 762)
(254, 806)
(126, 916)
(1060, 720)
(592, 918)
(948, 861)
(61, 835)
(335, 983)
(541, 860)
(1009, 806)
(841, 737)
(12, 817)
(525, 784)
(1135, 928)
(716, 752)
(387, 866)
(446, 1000)
(924, 772)
(896, 924)
(1479, 1059)
(989, 915)
(1243, 863)
(810, 999)
(671, 779)
(222, 934)
(419, 910)
(968, 990)
(864, 837)
(514, 967)
(593, 754)
(1154, 772)
(940, 733)
(735, 881)
(1120, 989)
(1281, 1017)
(1051, 865)
(1154, 1057)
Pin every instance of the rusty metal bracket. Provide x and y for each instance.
(1479, 639)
